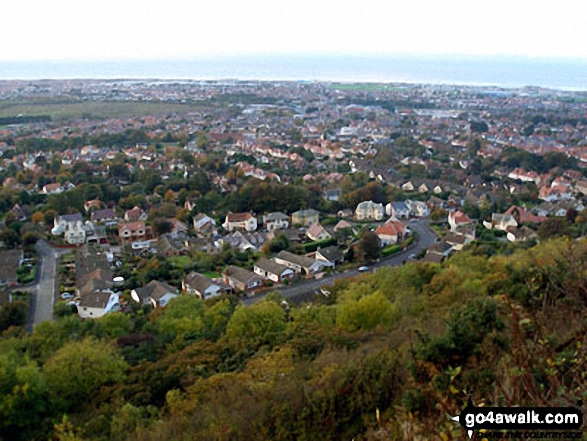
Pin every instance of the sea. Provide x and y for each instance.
(504, 72)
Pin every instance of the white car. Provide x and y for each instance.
(66, 295)
(363, 269)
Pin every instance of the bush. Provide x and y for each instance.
(392, 249)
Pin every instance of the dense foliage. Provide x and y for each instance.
(385, 356)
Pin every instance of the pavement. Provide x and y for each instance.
(305, 290)
(45, 289)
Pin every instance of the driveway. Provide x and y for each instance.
(305, 290)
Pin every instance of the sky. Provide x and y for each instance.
(129, 30)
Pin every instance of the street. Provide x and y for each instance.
(305, 290)
(44, 291)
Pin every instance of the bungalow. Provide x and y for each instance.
(168, 246)
(98, 303)
(274, 271)
(503, 222)
(155, 293)
(332, 254)
(521, 234)
(52, 188)
(342, 225)
(456, 218)
(305, 217)
(369, 210)
(200, 285)
(245, 221)
(10, 261)
(241, 279)
(457, 241)
(276, 221)
(205, 226)
(317, 232)
(390, 233)
(300, 264)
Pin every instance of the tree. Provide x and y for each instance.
(161, 227)
(169, 196)
(370, 246)
(367, 313)
(256, 325)
(38, 217)
(79, 369)
(13, 314)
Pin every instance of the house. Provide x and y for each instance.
(456, 218)
(106, 215)
(300, 264)
(94, 204)
(154, 293)
(457, 241)
(205, 226)
(52, 188)
(369, 210)
(399, 210)
(179, 230)
(317, 232)
(98, 303)
(60, 222)
(198, 284)
(132, 231)
(168, 246)
(347, 212)
(331, 254)
(581, 187)
(522, 216)
(10, 261)
(342, 225)
(276, 221)
(244, 241)
(521, 234)
(390, 233)
(503, 222)
(135, 214)
(273, 271)
(305, 218)
(244, 221)
(241, 279)
(417, 208)
(75, 233)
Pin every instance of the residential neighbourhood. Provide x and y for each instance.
(242, 199)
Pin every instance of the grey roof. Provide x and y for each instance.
(303, 261)
(270, 266)
(96, 299)
(70, 217)
(332, 253)
(106, 213)
(9, 263)
(240, 274)
(399, 206)
(198, 282)
(277, 216)
(155, 290)
(455, 239)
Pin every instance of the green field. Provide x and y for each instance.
(63, 110)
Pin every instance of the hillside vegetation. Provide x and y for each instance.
(385, 356)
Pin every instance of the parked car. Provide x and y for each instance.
(363, 268)
(66, 295)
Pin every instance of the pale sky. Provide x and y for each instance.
(33, 30)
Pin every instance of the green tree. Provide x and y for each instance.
(256, 325)
(370, 246)
(369, 312)
(79, 369)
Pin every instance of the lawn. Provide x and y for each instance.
(212, 274)
(64, 110)
(181, 261)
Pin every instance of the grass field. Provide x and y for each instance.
(62, 110)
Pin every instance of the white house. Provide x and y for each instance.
(390, 233)
(457, 218)
(244, 221)
(317, 232)
(399, 210)
(98, 303)
(418, 208)
(276, 221)
(273, 271)
(369, 210)
(155, 293)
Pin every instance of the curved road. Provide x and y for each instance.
(304, 290)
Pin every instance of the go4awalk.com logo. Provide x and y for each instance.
(543, 419)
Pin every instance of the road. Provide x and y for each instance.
(305, 290)
(45, 289)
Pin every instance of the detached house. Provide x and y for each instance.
(305, 218)
(456, 219)
(155, 293)
(276, 221)
(317, 232)
(71, 226)
(245, 221)
(205, 226)
(369, 210)
(136, 214)
(300, 264)
(201, 286)
(273, 271)
(399, 210)
(241, 279)
(132, 231)
(390, 233)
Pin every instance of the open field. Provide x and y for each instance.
(62, 110)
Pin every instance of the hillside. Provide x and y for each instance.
(385, 356)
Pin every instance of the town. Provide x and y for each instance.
(122, 195)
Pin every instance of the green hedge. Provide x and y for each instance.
(392, 249)
(313, 246)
